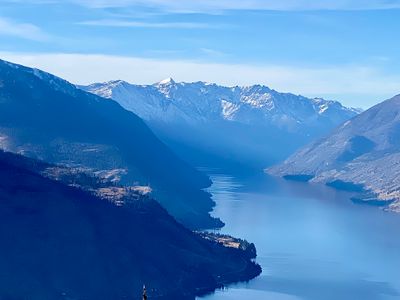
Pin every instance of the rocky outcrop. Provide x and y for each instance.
(362, 155)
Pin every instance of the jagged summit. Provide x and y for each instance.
(211, 116)
(204, 102)
(166, 81)
(118, 81)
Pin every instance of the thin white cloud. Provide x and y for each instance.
(137, 24)
(212, 52)
(213, 5)
(207, 5)
(21, 30)
(366, 83)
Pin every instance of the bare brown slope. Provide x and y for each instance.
(363, 155)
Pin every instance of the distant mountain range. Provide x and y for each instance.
(62, 237)
(46, 117)
(361, 155)
(209, 124)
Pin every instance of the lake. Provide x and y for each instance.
(312, 241)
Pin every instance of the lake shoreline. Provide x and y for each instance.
(310, 240)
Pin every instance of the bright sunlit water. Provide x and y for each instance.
(312, 241)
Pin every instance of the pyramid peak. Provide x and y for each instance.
(168, 80)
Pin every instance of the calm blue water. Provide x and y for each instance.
(312, 242)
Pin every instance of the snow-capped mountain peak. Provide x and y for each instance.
(249, 124)
(166, 81)
(195, 102)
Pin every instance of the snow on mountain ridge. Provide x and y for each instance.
(166, 81)
(208, 123)
(171, 101)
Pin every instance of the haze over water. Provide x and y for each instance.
(312, 241)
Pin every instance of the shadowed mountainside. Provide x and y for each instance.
(60, 242)
(45, 117)
(242, 127)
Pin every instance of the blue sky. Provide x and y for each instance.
(344, 50)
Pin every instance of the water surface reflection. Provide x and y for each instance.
(313, 243)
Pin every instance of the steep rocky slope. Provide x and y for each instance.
(46, 117)
(252, 126)
(361, 155)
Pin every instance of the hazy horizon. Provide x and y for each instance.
(336, 50)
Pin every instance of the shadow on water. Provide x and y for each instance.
(329, 289)
(312, 241)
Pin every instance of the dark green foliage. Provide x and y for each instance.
(59, 242)
(46, 117)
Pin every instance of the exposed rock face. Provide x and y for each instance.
(363, 153)
(252, 126)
